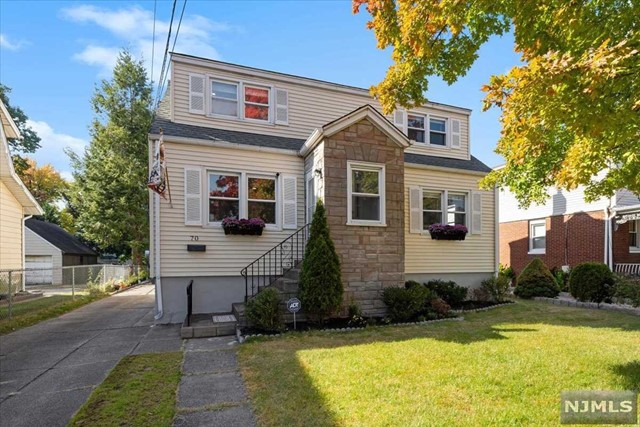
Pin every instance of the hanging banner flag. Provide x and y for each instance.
(158, 173)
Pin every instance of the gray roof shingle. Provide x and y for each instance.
(245, 138)
(473, 164)
(233, 137)
(58, 237)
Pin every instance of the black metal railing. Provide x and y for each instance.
(189, 302)
(275, 263)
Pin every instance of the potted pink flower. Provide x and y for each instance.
(448, 232)
(250, 227)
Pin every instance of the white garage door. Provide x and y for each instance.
(39, 269)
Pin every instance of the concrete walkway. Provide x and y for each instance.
(211, 392)
(48, 371)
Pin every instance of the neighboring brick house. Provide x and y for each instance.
(567, 230)
(242, 142)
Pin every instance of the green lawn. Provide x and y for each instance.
(139, 391)
(501, 367)
(32, 311)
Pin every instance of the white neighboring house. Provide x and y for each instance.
(48, 249)
(16, 202)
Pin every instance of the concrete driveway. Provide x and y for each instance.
(48, 371)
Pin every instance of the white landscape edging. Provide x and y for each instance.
(590, 305)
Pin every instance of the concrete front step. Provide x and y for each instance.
(202, 325)
(285, 285)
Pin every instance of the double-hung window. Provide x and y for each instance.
(224, 98)
(634, 239)
(256, 103)
(537, 236)
(437, 131)
(456, 208)
(261, 199)
(434, 211)
(415, 128)
(431, 208)
(365, 203)
(224, 196)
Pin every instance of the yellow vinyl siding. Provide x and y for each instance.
(10, 230)
(309, 108)
(225, 255)
(473, 255)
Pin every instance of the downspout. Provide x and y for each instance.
(156, 247)
(608, 233)
(24, 245)
(496, 208)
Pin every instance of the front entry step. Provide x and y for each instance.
(209, 325)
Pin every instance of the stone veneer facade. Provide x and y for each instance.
(371, 257)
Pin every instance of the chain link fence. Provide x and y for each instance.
(20, 288)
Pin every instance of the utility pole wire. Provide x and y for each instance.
(166, 51)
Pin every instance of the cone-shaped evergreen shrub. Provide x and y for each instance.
(536, 281)
(320, 286)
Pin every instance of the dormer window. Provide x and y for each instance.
(224, 98)
(437, 131)
(415, 128)
(256, 103)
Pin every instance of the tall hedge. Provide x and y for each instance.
(536, 281)
(321, 289)
(591, 281)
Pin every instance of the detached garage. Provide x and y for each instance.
(48, 248)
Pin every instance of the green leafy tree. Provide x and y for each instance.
(569, 112)
(30, 141)
(321, 289)
(110, 192)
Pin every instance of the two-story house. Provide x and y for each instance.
(566, 230)
(243, 142)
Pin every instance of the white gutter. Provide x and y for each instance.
(156, 247)
(496, 220)
(24, 253)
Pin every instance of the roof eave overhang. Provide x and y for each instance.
(364, 112)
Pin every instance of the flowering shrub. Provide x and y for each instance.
(448, 232)
(253, 226)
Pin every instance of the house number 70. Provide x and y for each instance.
(194, 238)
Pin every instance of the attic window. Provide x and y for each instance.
(224, 99)
(256, 103)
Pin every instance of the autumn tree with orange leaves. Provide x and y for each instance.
(569, 112)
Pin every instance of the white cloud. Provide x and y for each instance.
(52, 147)
(67, 176)
(5, 43)
(134, 27)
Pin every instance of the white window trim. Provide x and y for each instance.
(209, 107)
(270, 106)
(240, 85)
(635, 249)
(427, 130)
(243, 197)
(444, 200)
(208, 198)
(425, 117)
(373, 167)
(278, 224)
(467, 201)
(533, 223)
(446, 132)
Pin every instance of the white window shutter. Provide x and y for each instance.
(455, 133)
(282, 107)
(476, 212)
(196, 93)
(415, 210)
(192, 195)
(289, 202)
(400, 120)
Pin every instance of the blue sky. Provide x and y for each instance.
(53, 53)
